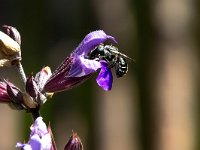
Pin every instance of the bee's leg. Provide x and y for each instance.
(112, 65)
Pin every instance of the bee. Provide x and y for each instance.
(111, 55)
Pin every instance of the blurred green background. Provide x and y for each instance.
(154, 107)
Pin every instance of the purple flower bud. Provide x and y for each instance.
(75, 69)
(32, 87)
(13, 33)
(13, 92)
(19, 100)
(40, 138)
(3, 92)
(15, 96)
(74, 143)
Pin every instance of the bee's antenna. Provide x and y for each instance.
(129, 58)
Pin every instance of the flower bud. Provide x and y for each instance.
(15, 96)
(13, 33)
(9, 50)
(74, 143)
(32, 87)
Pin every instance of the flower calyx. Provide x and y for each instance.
(31, 97)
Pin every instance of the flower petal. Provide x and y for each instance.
(105, 77)
(91, 40)
(23, 146)
(40, 138)
(39, 127)
(82, 67)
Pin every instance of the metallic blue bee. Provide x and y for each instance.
(111, 55)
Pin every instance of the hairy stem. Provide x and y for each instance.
(21, 73)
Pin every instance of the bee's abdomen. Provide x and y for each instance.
(121, 67)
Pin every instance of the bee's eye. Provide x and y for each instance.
(101, 48)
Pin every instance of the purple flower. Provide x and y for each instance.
(105, 78)
(77, 68)
(74, 143)
(40, 137)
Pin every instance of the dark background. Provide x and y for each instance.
(156, 106)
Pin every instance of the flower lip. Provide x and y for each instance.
(91, 40)
(83, 66)
(105, 77)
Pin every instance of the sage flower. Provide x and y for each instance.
(40, 137)
(77, 68)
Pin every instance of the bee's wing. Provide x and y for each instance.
(116, 51)
(125, 56)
